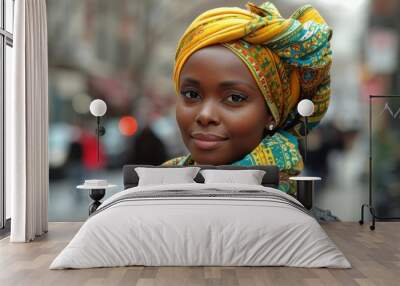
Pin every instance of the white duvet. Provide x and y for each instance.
(219, 231)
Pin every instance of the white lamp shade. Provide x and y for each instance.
(305, 107)
(98, 107)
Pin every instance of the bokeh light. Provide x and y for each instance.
(128, 125)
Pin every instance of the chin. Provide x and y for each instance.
(209, 159)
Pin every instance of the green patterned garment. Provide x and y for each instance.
(280, 149)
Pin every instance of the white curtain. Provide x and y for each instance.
(27, 124)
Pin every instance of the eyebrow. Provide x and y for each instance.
(227, 83)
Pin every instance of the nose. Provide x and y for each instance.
(208, 113)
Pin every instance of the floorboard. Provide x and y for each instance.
(374, 255)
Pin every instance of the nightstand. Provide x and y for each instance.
(97, 190)
(305, 190)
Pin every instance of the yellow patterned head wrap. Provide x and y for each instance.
(289, 58)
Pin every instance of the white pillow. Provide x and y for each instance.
(249, 177)
(162, 176)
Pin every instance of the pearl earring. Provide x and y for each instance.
(271, 127)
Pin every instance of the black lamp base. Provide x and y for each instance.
(96, 195)
(305, 193)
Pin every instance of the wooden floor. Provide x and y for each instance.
(374, 255)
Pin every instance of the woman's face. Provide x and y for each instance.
(221, 112)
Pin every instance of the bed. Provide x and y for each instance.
(201, 224)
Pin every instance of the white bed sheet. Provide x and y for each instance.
(200, 231)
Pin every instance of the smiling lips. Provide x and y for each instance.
(207, 141)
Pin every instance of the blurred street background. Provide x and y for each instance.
(123, 52)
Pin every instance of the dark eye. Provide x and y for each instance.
(236, 98)
(190, 94)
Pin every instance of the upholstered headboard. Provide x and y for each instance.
(270, 179)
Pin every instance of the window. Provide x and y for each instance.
(6, 45)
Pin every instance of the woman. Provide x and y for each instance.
(239, 75)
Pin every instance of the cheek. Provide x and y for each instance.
(184, 116)
(247, 122)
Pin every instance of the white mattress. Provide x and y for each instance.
(183, 231)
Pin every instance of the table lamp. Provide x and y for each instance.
(98, 108)
(305, 109)
(305, 185)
